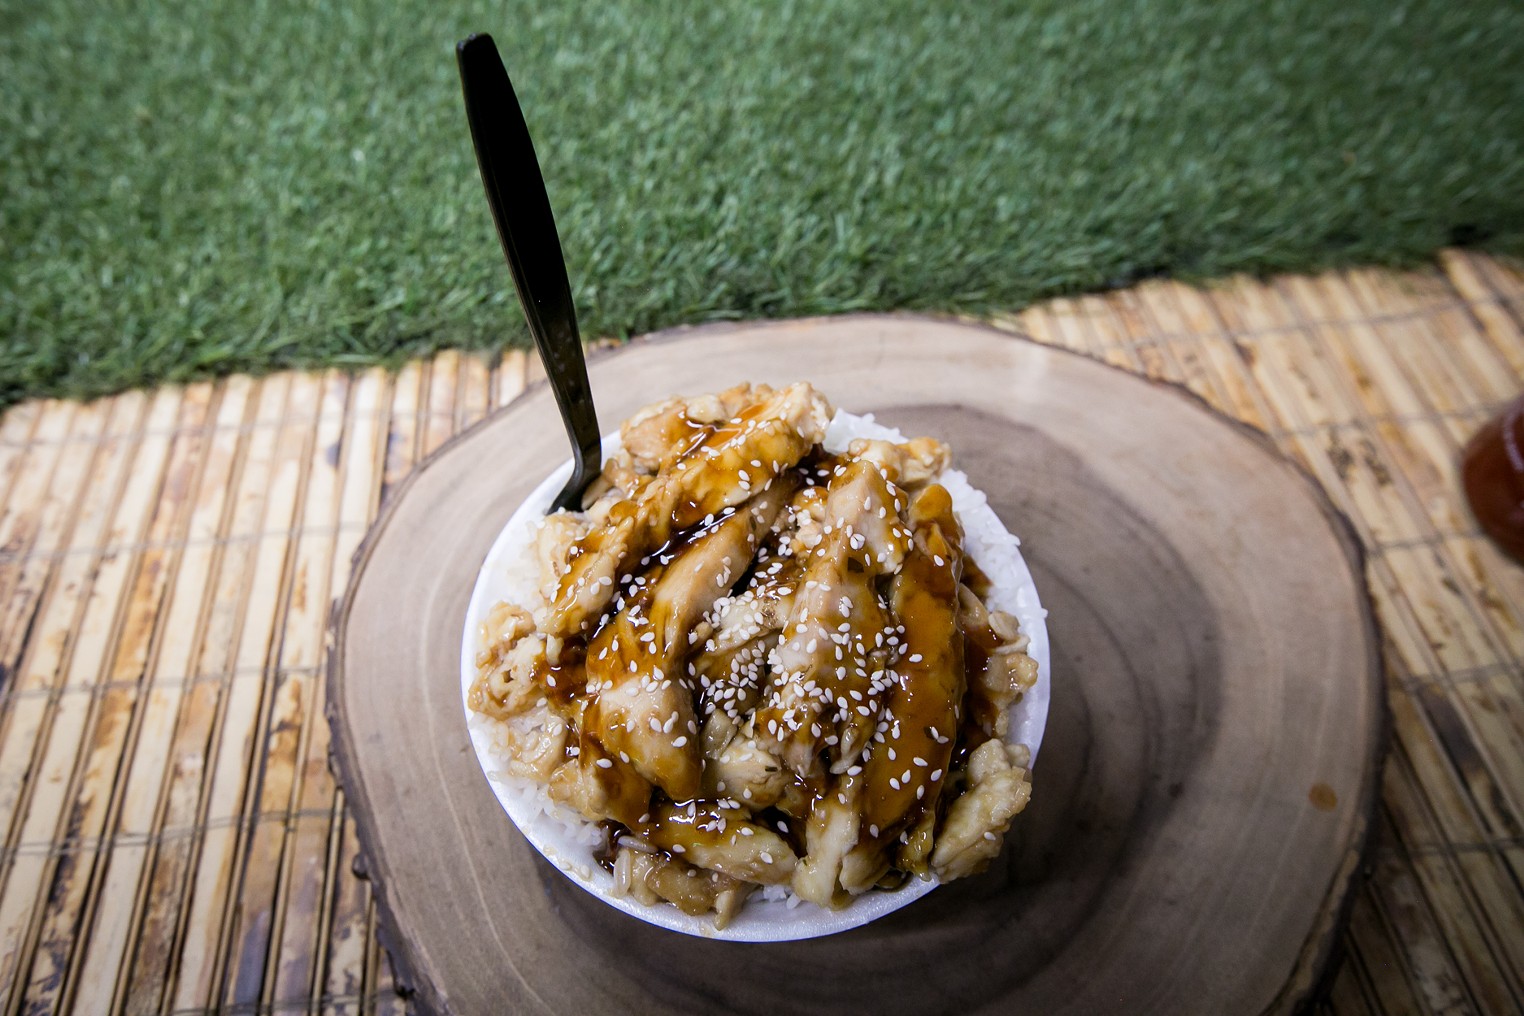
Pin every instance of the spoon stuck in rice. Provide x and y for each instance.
(527, 229)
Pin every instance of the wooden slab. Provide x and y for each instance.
(1206, 782)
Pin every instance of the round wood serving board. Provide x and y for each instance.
(1207, 777)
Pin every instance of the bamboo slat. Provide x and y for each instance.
(171, 839)
(79, 618)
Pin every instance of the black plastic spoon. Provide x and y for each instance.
(521, 210)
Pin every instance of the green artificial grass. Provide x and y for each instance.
(193, 189)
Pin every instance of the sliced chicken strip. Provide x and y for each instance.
(911, 463)
(600, 785)
(656, 432)
(642, 710)
(660, 434)
(830, 667)
(649, 877)
(905, 768)
(721, 839)
(746, 773)
(832, 831)
(974, 830)
(735, 460)
(738, 641)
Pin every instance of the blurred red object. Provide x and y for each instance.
(1492, 473)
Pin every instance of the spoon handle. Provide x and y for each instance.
(527, 230)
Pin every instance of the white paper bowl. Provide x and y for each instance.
(760, 920)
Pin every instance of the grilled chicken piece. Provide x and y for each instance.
(910, 464)
(761, 609)
(830, 668)
(721, 839)
(832, 831)
(730, 686)
(974, 829)
(600, 785)
(904, 769)
(913, 856)
(998, 664)
(657, 436)
(553, 538)
(538, 752)
(619, 481)
(745, 772)
(738, 639)
(734, 461)
(643, 709)
(657, 432)
(652, 877)
(506, 669)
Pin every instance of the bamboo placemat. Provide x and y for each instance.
(174, 841)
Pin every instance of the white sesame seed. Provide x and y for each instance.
(604, 763)
(679, 740)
